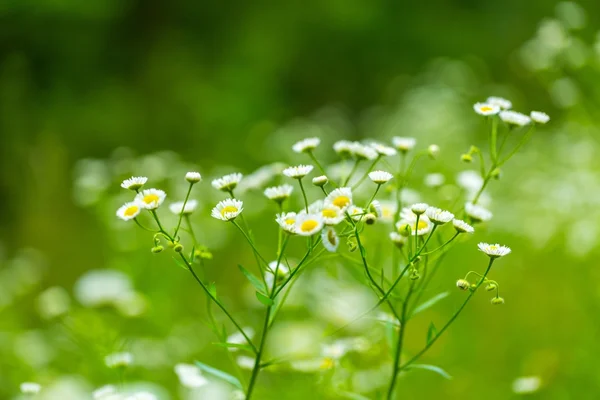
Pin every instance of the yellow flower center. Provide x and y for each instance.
(290, 221)
(422, 225)
(341, 201)
(327, 363)
(329, 213)
(228, 209)
(131, 210)
(485, 108)
(493, 248)
(151, 198)
(308, 225)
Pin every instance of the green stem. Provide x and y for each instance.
(254, 249)
(493, 140)
(259, 354)
(452, 319)
(351, 172)
(362, 178)
(317, 163)
(187, 197)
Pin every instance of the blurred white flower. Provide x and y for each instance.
(298, 172)
(380, 177)
(279, 193)
(30, 388)
(178, 208)
(53, 302)
(330, 239)
(117, 360)
(486, 109)
(500, 102)
(306, 145)
(539, 117)
(102, 287)
(228, 182)
(526, 384)
(134, 183)
(190, 376)
(404, 144)
(514, 118)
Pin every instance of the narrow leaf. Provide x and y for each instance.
(264, 299)
(432, 368)
(429, 303)
(217, 373)
(235, 346)
(257, 283)
(180, 264)
(431, 332)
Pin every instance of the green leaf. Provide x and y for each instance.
(432, 368)
(180, 264)
(257, 283)
(235, 346)
(431, 332)
(264, 299)
(212, 288)
(217, 373)
(429, 303)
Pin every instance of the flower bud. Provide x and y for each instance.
(497, 301)
(414, 275)
(490, 287)
(434, 151)
(404, 230)
(157, 249)
(178, 248)
(193, 177)
(352, 246)
(466, 158)
(320, 181)
(463, 284)
(370, 219)
(473, 287)
(496, 173)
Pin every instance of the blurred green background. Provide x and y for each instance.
(156, 88)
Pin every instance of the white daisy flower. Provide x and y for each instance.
(320, 181)
(306, 145)
(332, 215)
(434, 180)
(398, 239)
(340, 197)
(494, 250)
(228, 182)
(380, 177)
(190, 376)
(500, 102)
(388, 210)
(30, 388)
(382, 149)
(404, 144)
(116, 360)
(134, 183)
(486, 109)
(298, 172)
(539, 117)
(343, 148)
(478, 213)
(418, 208)
(439, 216)
(308, 224)
(142, 396)
(279, 193)
(314, 208)
(355, 212)
(193, 177)
(228, 209)
(462, 226)
(362, 152)
(178, 208)
(287, 221)
(469, 180)
(514, 118)
(129, 211)
(150, 199)
(330, 239)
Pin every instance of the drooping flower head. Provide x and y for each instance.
(382, 149)
(362, 152)
(462, 226)
(228, 209)
(178, 208)
(404, 144)
(439, 216)
(228, 182)
(279, 193)
(330, 239)
(150, 199)
(343, 148)
(306, 145)
(298, 172)
(514, 118)
(477, 213)
(134, 183)
(380, 177)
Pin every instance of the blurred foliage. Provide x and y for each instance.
(94, 91)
